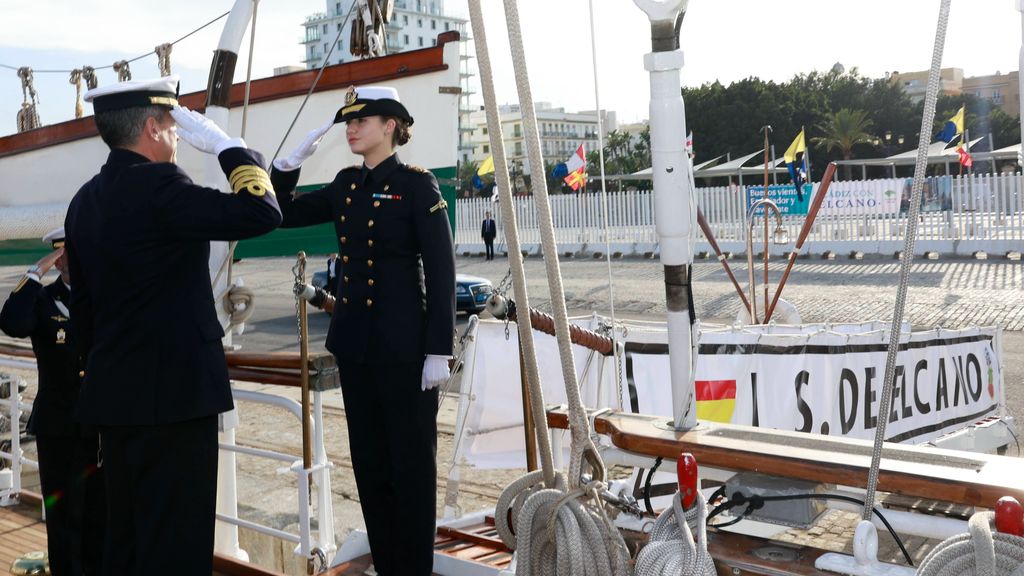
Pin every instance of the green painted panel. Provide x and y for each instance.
(281, 242)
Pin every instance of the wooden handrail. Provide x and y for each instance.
(948, 475)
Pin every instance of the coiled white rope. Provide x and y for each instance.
(979, 552)
(557, 532)
(672, 549)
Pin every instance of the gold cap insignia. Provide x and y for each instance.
(351, 95)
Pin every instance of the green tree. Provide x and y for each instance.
(467, 170)
(843, 130)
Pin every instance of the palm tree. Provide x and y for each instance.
(467, 170)
(844, 130)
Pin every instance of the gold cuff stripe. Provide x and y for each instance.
(58, 244)
(163, 100)
(250, 178)
(352, 108)
(24, 280)
(439, 206)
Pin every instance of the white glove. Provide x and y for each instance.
(202, 133)
(304, 151)
(435, 371)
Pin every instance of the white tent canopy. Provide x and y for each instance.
(709, 169)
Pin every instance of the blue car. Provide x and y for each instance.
(471, 292)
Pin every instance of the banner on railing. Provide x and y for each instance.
(784, 196)
(863, 197)
(936, 196)
(831, 383)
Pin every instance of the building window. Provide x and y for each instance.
(325, 49)
(487, 149)
(519, 148)
(339, 26)
(433, 24)
(421, 41)
(419, 22)
(517, 130)
(485, 130)
(312, 34)
(337, 8)
(433, 42)
(405, 19)
(325, 28)
(405, 39)
(447, 26)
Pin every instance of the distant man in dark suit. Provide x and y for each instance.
(72, 485)
(155, 379)
(488, 231)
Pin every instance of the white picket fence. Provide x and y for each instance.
(976, 213)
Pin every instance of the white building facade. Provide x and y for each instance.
(414, 24)
(561, 133)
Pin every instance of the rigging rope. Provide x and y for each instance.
(89, 75)
(76, 80)
(884, 404)
(124, 72)
(556, 531)
(28, 116)
(979, 552)
(604, 202)
(163, 58)
(672, 548)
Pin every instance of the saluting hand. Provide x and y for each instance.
(435, 371)
(304, 150)
(46, 262)
(202, 133)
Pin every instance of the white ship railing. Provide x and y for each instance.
(310, 544)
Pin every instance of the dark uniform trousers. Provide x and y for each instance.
(72, 485)
(138, 245)
(396, 303)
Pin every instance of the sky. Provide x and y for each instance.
(724, 40)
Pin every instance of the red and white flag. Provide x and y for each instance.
(577, 160)
(689, 144)
(577, 166)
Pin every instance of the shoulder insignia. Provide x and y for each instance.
(441, 205)
(413, 168)
(250, 178)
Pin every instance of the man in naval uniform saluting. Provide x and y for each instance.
(393, 322)
(155, 378)
(72, 485)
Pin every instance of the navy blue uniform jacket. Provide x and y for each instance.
(396, 263)
(138, 242)
(30, 312)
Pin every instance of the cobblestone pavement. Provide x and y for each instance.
(950, 293)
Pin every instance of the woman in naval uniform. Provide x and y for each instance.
(394, 319)
(72, 486)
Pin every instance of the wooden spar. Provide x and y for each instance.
(967, 478)
(307, 433)
(580, 336)
(812, 214)
(703, 223)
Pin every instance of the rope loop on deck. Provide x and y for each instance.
(979, 552)
(672, 548)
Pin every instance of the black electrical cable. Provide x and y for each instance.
(756, 502)
(647, 485)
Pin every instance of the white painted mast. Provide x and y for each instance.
(674, 200)
(222, 71)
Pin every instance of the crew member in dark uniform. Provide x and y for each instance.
(155, 379)
(393, 322)
(72, 485)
